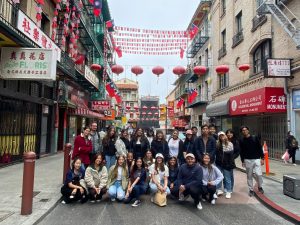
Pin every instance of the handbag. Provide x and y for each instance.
(160, 199)
(286, 156)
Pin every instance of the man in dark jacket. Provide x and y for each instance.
(252, 157)
(205, 144)
(189, 181)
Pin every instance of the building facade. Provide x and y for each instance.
(149, 112)
(40, 113)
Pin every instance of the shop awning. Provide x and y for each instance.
(85, 113)
(66, 104)
(218, 109)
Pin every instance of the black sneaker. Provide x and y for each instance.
(136, 203)
(251, 193)
(261, 190)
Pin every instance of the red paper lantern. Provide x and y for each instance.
(153, 107)
(179, 70)
(200, 70)
(156, 113)
(80, 60)
(158, 70)
(222, 69)
(136, 107)
(145, 107)
(244, 67)
(128, 107)
(117, 69)
(95, 67)
(149, 113)
(131, 113)
(137, 70)
(144, 113)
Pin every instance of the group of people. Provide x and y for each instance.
(127, 168)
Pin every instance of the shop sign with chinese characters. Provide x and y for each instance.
(170, 109)
(91, 77)
(28, 64)
(100, 105)
(278, 68)
(34, 33)
(264, 100)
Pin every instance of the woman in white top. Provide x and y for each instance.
(118, 179)
(176, 147)
(159, 173)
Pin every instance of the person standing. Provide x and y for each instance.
(252, 157)
(205, 144)
(176, 147)
(160, 145)
(213, 131)
(150, 135)
(139, 144)
(109, 148)
(96, 140)
(118, 179)
(225, 156)
(83, 147)
(95, 178)
(195, 132)
(291, 145)
(189, 181)
(122, 144)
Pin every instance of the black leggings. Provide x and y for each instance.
(210, 190)
(292, 153)
(66, 193)
(194, 190)
(93, 194)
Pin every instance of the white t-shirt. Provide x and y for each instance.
(120, 169)
(173, 147)
(159, 175)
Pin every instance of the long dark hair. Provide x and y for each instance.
(73, 163)
(176, 162)
(134, 137)
(161, 167)
(163, 136)
(135, 166)
(234, 138)
(209, 166)
(114, 173)
(108, 137)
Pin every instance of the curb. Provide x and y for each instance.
(272, 205)
(276, 208)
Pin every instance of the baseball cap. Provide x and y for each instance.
(189, 132)
(190, 155)
(221, 133)
(159, 155)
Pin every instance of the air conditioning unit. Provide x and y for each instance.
(291, 185)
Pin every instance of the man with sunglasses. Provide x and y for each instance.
(252, 157)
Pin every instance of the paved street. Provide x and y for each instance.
(239, 210)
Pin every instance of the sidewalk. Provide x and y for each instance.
(46, 190)
(273, 187)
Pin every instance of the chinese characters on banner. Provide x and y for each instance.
(34, 33)
(28, 63)
(278, 68)
(100, 105)
(91, 77)
(170, 109)
(269, 99)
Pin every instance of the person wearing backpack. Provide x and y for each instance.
(291, 145)
(252, 157)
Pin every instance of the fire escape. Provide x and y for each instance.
(284, 16)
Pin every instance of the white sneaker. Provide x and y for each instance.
(295, 164)
(152, 199)
(215, 196)
(113, 199)
(199, 206)
(228, 195)
(63, 202)
(136, 203)
(219, 192)
(181, 197)
(213, 202)
(92, 201)
(98, 200)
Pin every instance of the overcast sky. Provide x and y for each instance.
(159, 15)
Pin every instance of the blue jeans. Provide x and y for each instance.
(228, 180)
(116, 191)
(153, 188)
(110, 161)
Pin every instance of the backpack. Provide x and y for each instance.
(294, 143)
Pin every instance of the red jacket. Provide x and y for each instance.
(82, 149)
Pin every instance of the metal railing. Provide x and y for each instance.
(67, 65)
(8, 12)
(222, 51)
(237, 38)
(258, 21)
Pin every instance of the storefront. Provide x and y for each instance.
(264, 112)
(218, 114)
(295, 116)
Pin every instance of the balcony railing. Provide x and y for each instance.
(8, 12)
(196, 45)
(67, 65)
(237, 39)
(200, 99)
(222, 52)
(257, 21)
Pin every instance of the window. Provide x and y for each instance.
(206, 57)
(224, 81)
(238, 21)
(206, 91)
(223, 7)
(45, 24)
(133, 96)
(200, 60)
(131, 105)
(261, 54)
(223, 39)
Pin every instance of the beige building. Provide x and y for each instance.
(129, 91)
(246, 36)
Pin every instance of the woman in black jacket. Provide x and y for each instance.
(291, 145)
(139, 144)
(109, 148)
(160, 145)
(225, 162)
(188, 144)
